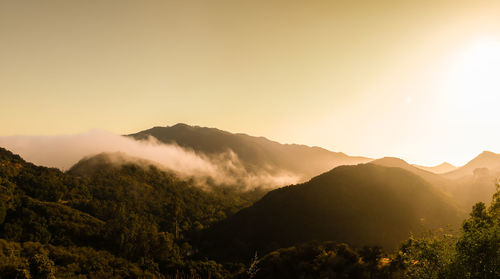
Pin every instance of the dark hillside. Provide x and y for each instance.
(360, 205)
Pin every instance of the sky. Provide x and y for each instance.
(412, 79)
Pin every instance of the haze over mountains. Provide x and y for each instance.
(255, 153)
(178, 196)
(441, 168)
(191, 151)
(214, 156)
(474, 183)
(486, 160)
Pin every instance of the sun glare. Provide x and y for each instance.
(474, 82)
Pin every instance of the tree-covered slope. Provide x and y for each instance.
(360, 205)
(134, 211)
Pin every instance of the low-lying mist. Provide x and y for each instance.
(63, 151)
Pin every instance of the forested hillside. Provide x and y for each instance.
(137, 213)
(360, 205)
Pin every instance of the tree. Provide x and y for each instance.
(253, 268)
(41, 267)
(372, 256)
(474, 254)
(478, 249)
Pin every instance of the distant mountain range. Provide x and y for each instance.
(249, 161)
(430, 177)
(466, 185)
(261, 153)
(486, 160)
(255, 153)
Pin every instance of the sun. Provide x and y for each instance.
(474, 79)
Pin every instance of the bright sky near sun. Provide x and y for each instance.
(414, 79)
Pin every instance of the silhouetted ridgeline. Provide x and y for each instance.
(256, 153)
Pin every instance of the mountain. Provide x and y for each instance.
(91, 166)
(485, 160)
(475, 181)
(365, 204)
(439, 169)
(257, 154)
(466, 189)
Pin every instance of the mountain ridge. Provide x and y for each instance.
(438, 169)
(486, 159)
(255, 153)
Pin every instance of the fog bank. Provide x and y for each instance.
(63, 151)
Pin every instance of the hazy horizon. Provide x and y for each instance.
(25, 145)
(410, 79)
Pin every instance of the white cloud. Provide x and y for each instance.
(63, 151)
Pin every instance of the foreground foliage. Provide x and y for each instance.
(474, 253)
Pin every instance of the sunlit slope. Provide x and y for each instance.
(476, 179)
(255, 153)
(361, 205)
(464, 186)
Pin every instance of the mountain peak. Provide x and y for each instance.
(181, 125)
(390, 161)
(487, 153)
(445, 164)
(486, 159)
(91, 164)
(439, 169)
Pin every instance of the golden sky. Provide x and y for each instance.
(412, 79)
